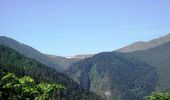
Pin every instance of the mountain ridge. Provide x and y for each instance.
(143, 45)
(28, 51)
(57, 62)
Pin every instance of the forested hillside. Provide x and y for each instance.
(159, 58)
(114, 76)
(57, 62)
(28, 51)
(12, 61)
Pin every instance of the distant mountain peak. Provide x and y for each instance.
(142, 45)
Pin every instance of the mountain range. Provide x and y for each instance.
(129, 73)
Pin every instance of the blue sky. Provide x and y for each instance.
(69, 27)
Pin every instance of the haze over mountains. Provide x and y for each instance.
(129, 73)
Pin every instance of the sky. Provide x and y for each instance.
(70, 27)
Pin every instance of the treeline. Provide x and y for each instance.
(14, 62)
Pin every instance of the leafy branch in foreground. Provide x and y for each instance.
(159, 96)
(14, 88)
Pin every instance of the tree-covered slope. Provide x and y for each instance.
(114, 76)
(159, 58)
(57, 62)
(12, 61)
(28, 51)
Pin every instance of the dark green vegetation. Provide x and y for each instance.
(159, 58)
(25, 88)
(12, 61)
(114, 76)
(57, 62)
(159, 96)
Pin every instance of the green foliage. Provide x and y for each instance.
(14, 88)
(47, 90)
(158, 96)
